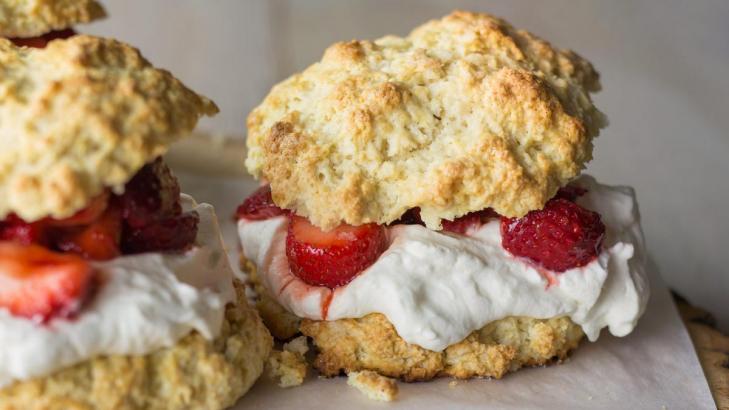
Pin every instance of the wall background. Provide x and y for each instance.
(665, 75)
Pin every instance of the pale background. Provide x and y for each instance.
(665, 74)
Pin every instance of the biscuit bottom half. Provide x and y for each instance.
(196, 373)
(372, 343)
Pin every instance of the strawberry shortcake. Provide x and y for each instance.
(423, 211)
(33, 23)
(115, 288)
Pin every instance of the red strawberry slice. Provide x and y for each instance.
(259, 206)
(559, 237)
(42, 41)
(468, 221)
(153, 194)
(174, 233)
(88, 215)
(38, 284)
(333, 258)
(16, 230)
(98, 240)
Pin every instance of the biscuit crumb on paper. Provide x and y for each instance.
(288, 368)
(373, 385)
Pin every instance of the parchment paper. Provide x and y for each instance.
(655, 367)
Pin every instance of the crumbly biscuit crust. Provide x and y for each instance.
(31, 18)
(506, 345)
(81, 115)
(196, 373)
(465, 113)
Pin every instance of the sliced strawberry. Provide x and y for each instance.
(16, 230)
(174, 233)
(468, 221)
(332, 258)
(259, 205)
(98, 240)
(559, 237)
(153, 194)
(88, 215)
(42, 41)
(38, 284)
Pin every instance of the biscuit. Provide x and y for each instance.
(196, 373)
(282, 324)
(372, 343)
(32, 18)
(502, 346)
(463, 114)
(87, 113)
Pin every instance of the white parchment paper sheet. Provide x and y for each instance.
(655, 367)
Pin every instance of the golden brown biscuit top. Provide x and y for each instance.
(463, 114)
(81, 115)
(32, 18)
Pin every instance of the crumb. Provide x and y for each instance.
(453, 383)
(287, 367)
(373, 385)
(298, 345)
(589, 397)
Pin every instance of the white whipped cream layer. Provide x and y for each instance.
(144, 302)
(437, 288)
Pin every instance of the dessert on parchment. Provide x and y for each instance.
(34, 23)
(423, 211)
(115, 289)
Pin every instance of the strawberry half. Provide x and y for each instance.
(559, 237)
(98, 240)
(151, 195)
(333, 258)
(38, 284)
(259, 206)
(175, 233)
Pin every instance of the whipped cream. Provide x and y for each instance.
(144, 302)
(437, 288)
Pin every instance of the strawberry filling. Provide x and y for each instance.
(42, 41)
(38, 284)
(148, 217)
(559, 237)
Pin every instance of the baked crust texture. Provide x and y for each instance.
(82, 115)
(196, 373)
(506, 345)
(32, 18)
(465, 113)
